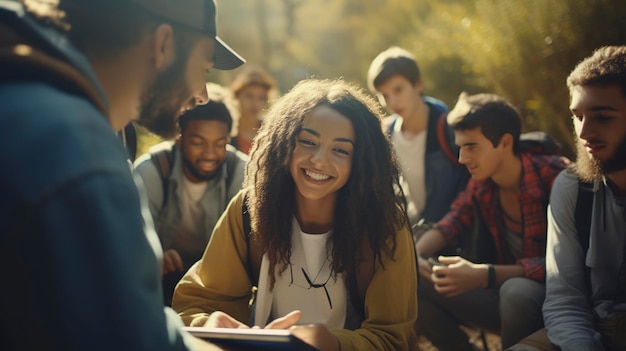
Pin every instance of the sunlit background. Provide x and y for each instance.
(522, 50)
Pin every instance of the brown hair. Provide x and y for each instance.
(606, 66)
(391, 62)
(489, 112)
(254, 75)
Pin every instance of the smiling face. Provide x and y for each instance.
(203, 145)
(478, 154)
(322, 158)
(400, 95)
(599, 116)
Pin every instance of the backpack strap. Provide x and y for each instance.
(444, 145)
(391, 126)
(231, 163)
(255, 252)
(129, 137)
(163, 159)
(582, 217)
(443, 141)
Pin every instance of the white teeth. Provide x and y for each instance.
(316, 176)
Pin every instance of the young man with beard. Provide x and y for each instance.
(585, 306)
(508, 196)
(81, 261)
(203, 172)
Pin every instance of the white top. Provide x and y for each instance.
(191, 235)
(292, 291)
(410, 149)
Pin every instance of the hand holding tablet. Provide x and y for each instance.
(280, 334)
(236, 339)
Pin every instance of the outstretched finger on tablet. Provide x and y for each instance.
(286, 321)
(222, 320)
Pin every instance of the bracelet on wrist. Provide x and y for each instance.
(491, 276)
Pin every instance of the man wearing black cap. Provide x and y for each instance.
(76, 239)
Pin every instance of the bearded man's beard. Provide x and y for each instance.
(162, 101)
(589, 168)
(202, 176)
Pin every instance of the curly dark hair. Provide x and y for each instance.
(219, 108)
(370, 207)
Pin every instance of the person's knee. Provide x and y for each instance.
(520, 309)
(521, 293)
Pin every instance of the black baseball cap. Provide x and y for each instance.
(200, 15)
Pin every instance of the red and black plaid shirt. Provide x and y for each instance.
(538, 174)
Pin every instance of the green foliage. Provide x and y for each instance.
(145, 139)
(522, 50)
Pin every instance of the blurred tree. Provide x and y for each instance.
(522, 50)
(145, 140)
(525, 50)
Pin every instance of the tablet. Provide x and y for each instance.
(251, 339)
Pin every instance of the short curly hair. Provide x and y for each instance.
(218, 108)
(606, 66)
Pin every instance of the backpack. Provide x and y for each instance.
(582, 219)
(537, 142)
(163, 155)
(442, 140)
(128, 135)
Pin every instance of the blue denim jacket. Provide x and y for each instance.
(79, 271)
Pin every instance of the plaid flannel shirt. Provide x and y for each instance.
(538, 174)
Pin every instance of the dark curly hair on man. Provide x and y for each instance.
(606, 66)
(370, 208)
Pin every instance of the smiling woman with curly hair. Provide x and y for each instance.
(329, 234)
